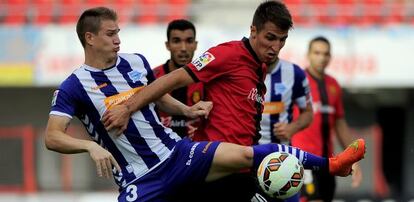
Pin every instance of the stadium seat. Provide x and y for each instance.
(298, 11)
(44, 11)
(323, 11)
(395, 14)
(16, 12)
(289, 2)
(178, 9)
(69, 11)
(125, 9)
(346, 2)
(96, 3)
(372, 13)
(347, 12)
(378, 2)
(408, 14)
(148, 11)
(319, 2)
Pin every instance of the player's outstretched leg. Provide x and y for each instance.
(341, 164)
(308, 160)
(230, 158)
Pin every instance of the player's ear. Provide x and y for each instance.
(167, 45)
(253, 31)
(196, 44)
(89, 38)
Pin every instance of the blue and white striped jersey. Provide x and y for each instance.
(286, 85)
(88, 92)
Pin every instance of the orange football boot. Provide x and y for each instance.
(341, 164)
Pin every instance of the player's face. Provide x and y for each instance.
(319, 56)
(181, 45)
(268, 42)
(106, 42)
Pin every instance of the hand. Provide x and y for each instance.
(103, 160)
(166, 121)
(283, 131)
(201, 108)
(191, 130)
(116, 119)
(356, 175)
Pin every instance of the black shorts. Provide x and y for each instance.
(321, 186)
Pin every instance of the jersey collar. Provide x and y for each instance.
(277, 66)
(314, 77)
(94, 69)
(166, 68)
(250, 49)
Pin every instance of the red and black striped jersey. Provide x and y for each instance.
(327, 108)
(233, 78)
(188, 95)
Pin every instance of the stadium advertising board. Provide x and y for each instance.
(362, 58)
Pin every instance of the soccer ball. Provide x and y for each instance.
(280, 175)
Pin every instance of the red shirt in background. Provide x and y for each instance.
(188, 95)
(327, 108)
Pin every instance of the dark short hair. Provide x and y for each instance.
(180, 24)
(272, 11)
(90, 21)
(319, 39)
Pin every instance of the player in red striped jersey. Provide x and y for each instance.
(181, 42)
(328, 117)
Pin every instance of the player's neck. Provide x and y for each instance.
(172, 65)
(316, 74)
(272, 66)
(98, 62)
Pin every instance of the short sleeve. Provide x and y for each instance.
(211, 64)
(301, 89)
(150, 74)
(63, 102)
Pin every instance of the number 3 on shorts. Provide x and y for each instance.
(132, 191)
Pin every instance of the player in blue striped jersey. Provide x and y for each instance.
(287, 86)
(148, 161)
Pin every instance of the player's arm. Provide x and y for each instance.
(172, 106)
(285, 131)
(161, 86)
(345, 138)
(341, 126)
(342, 132)
(118, 116)
(304, 119)
(56, 139)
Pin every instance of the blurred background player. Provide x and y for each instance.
(328, 120)
(181, 42)
(286, 85)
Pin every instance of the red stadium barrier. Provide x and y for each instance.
(26, 135)
(380, 184)
(375, 175)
